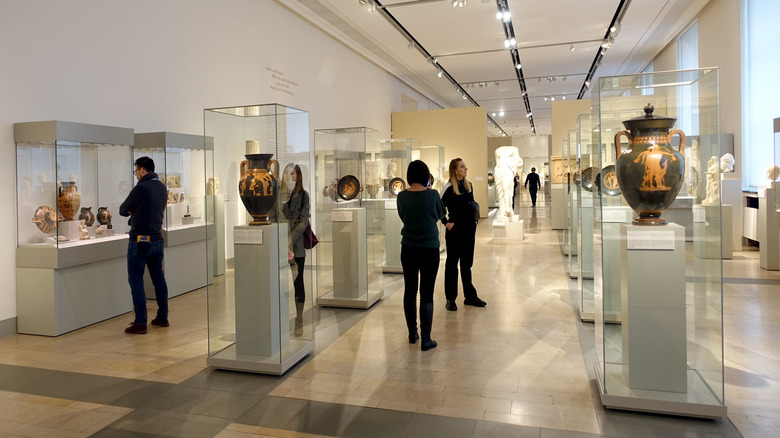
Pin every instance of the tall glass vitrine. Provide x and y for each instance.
(587, 152)
(259, 313)
(662, 351)
(350, 213)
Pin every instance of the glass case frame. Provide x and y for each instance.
(63, 170)
(256, 322)
(351, 214)
(587, 152)
(572, 200)
(396, 156)
(682, 325)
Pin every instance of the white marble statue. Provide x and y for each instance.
(727, 163)
(508, 164)
(83, 232)
(212, 187)
(392, 170)
(772, 172)
(713, 182)
(692, 169)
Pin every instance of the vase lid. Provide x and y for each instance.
(649, 121)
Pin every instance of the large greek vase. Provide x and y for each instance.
(257, 186)
(650, 172)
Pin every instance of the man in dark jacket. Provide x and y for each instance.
(533, 180)
(146, 207)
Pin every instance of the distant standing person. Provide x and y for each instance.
(420, 209)
(458, 198)
(533, 179)
(146, 206)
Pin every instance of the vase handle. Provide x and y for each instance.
(682, 138)
(242, 168)
(618, 152)
(276, 167)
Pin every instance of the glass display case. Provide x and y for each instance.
(396, 155)
(351, 212)
(71, 180)
(587, 155)
(181, 163)
(572, 199)
(661, 348)
(259, 314)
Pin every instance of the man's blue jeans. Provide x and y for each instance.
(140, 255)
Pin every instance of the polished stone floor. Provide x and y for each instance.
(520, 367)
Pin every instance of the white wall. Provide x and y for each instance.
(155, 65)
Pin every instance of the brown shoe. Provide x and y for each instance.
(136, 329)
(159, 322)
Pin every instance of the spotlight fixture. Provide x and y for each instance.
(587, 84)
(459, 3)
(545, 98)
(497, 83)
(410, 46)
(510, 42)
(518, 66)
(564, 97)
(571, 47)
(464, 97)
(439, 73)
(529, 115)
(503, 16)
(492, 114)
(500, 114)
(564, 78)
(552, 98)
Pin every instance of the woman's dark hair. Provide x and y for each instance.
(145, 163)
(417, 172)
(298, 180)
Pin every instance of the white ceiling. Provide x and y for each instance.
(468, 43)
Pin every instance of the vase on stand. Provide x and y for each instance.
(650, 172)
(258, 187)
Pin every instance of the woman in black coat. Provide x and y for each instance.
(458, 198)
(297, 211)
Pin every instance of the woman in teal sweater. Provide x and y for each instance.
(420, 209)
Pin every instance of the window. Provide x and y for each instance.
(760, 87)
(688, 59)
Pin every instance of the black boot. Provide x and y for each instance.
(426, 321)
(410, 312)
(298, 330)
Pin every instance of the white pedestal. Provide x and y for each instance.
(350, 262)
(653, 285)
(59, 290)
(393, 227)
(557, 206)
(731, 194)
(217, 204)
(509, 229)
(708, 221)
(69, 229)
(768, 229)
(261, 299)
(613, 218)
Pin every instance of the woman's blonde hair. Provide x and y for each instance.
(454, 177)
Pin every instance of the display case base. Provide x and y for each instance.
(229, 359)
(698, 401)
(362, 302)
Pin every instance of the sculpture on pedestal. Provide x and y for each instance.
(712, 186)
(508, 164)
